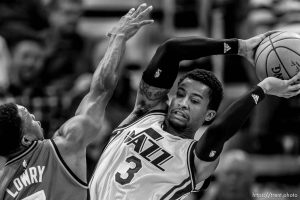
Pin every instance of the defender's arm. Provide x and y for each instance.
(91, 110)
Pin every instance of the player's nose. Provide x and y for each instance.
(183, 102)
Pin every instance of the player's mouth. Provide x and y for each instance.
(180, 114)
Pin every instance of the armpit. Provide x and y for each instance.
(204, 169)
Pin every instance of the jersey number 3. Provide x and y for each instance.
(130, 172)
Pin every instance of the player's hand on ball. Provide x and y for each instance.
(130, 23)
(248, 47)
(281, 88)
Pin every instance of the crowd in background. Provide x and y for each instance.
(47, 60)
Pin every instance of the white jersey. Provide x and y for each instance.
(142, 161)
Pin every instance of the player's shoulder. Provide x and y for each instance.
(155, 113)
(37, 148)
(43, 147)
(149, 117)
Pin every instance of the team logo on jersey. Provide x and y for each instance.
(157, 73)
(144, 143)
(212, 154)
(255, 98)
(226, 47)
(24, 164)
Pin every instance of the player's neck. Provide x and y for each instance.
(180, 133)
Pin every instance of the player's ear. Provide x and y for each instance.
(26, 140)
(210, 114)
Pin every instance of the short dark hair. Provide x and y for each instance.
(10, 128)
(209, 79)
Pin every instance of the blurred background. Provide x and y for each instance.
(50, 48)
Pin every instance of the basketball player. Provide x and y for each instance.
(56, 169)
(152, 154)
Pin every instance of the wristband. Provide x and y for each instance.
(257, 94)
(231, 46)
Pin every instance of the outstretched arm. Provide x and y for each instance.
(226, 125)
(90, 113)
(162, 71)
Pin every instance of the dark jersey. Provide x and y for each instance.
(40, 173)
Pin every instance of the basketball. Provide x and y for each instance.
(278, 55)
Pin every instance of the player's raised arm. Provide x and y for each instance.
(159, 76)
(88, 120)
(162, 71)
(227, 124)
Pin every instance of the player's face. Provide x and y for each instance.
(189, 107)
(30, 125)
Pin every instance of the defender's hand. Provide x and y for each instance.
(281, 88)
(130, 23)
(248, 47)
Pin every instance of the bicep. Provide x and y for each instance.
(157, 79)
(150, 97)
(93, 105)
(77, 132)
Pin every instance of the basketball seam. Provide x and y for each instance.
(274, 37)
(289, 49)
(266, 63)
(270, 44)
(279, 59)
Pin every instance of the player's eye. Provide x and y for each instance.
(180, 94)
(195, 101)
